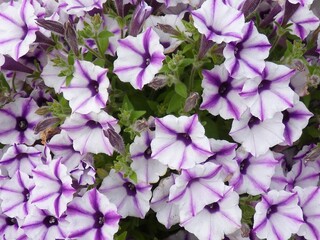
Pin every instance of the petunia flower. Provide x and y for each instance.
(15, 194)
(18, 119)
(20, 157)
(277, 215)
(254, 174)
(131, 199)
(84, 173)
(80, 7)
(10, 228)
(245, 58)
(18, 28)
(92, 216)
(270, 93)
(201, 180)
(217, 219)
(139, 58)
(180, 142)
(53, 190)
(219, 22)
(257, 136)
(86, 132)
(309, 199)
(147, 169)
(40, 224)
(87, 91)
(167, 212)
(51, 78)
(221, 93)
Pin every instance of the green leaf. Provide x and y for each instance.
(136, 115)
(181, 89)
(126, 104)
(122, 236)
(68, 79)
(175, 104)
(103, 41)
(3, 82)
(71, 58)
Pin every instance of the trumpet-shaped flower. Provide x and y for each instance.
(18, 119)
(86, 132)
(139, 58)
(131, 199)
(92, 216)
(10, 228)
(245, 58)
(87, 91)
(219, 22)
(275, 209)
(180, 142)
(51, 78)
(270, 93)
(221, 93)
(18, 28)
(80, 7)
(53, 189)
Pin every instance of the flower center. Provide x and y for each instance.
(49, 221)
(271, 210)
(93, 87)
(224, 89)
(185, 138)
(286, 117)
(22, 124)
(264, 85)
(237, 49)
(11, 221)
(244, 166)
(26, 194)
(147, 153)
(131, 188)
(253, 121)
(99, 220)
(147, 61)
(213, 207)
(93, 124)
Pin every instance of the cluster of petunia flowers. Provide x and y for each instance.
(183, 176)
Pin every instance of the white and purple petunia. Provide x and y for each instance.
(257, 136)
(147, 169)
(180, 142)
(245, 58)
(10, 228)
(131, 199)
(20, 157)
(201, 180)
(53, 190)
(18, 28)
(40, 224)
(139, 58)
(15, 194)
(269, 93)
(87, 91)
(217, 219)
(80, 7)
(221, 93)
(51, 78)
(86, 132)
(219, 22)
(92, 216)
(254, 174)
(275, 209)
(18, 119)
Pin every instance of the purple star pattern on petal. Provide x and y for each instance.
(53, 189)
(218, 21)
(92, 216)
(275, 209)
(131, 199)
(221, 93)
(245, 58)
(18, 119)
(180, 142)
(10, 228)
(80, 7)
(139, 58)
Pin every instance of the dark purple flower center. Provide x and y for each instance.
(224, 89)
(25, 31)
(22, 124)
(131, 188)
(213, 207)
(21, 156)
(271, 210)
(185, 138)
(264, 85)
(99, 220)
(93, 87)
(11, 221)
(26, 194)
(93, 124)
(237, 50)
(253, 121)
(244, 166)
(286, 117)
(49, 221)
(147, 153)
(147, 62)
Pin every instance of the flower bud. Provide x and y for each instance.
(51, 25)
(42, 125)
(158, 82)
(250, 6)
(71, 38)
(191, 101)
(140, 14)
(115, 140)
(167, 29)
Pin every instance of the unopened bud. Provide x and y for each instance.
(191, 102)
(298, 65)
(158, 82)
(140, 125)
(245, 230)
(42, 125)
(43, 110)
(314, 81)
(289, 10)
(71, 38)
(140, 14)
(167, 29)
(115, 140)
(313, 155)
(250, 6)
(51, 25)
